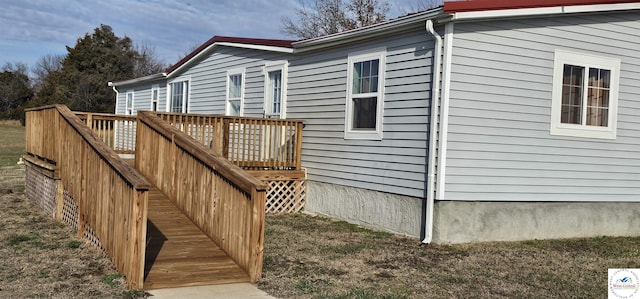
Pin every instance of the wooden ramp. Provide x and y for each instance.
(179, 253)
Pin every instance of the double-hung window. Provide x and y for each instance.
(235, 92)
(585, 95)
(365, 96)
(155, 95)
(179, 96)
(275, 90)
(129, 103)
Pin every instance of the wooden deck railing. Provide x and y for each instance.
(222, 199)
(251, 143)
(110, 195)
(116, 130)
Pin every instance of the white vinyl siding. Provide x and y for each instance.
(499, 143)
(317, 89)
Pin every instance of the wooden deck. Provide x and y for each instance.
(179, 253)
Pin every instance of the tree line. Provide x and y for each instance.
(79, 78)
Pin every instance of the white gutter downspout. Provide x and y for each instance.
(117, 93)
(431, 163)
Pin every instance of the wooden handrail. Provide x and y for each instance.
(218, 163)
(249, 142)
(110, 195)
(128, 173)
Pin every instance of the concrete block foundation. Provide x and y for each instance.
(459, 222)
(378, 210)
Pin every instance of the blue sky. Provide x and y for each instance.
(34, 28)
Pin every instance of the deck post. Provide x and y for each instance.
(256, 243)
(135, 277)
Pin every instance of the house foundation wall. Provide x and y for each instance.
(460, 221)
(378, 210)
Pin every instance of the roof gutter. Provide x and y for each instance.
(431, 157)
(396, 25)
(539, 11)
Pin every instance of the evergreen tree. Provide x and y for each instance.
(15, 90)
(81, 82)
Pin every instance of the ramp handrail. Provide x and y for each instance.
(111, 196)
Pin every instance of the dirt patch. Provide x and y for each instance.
(42, 258)
(315, 257)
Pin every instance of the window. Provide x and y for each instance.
(365, 90)
(235, 92)
(585, 95)
(275, 91)
(129, 107)
(155, 95)
(179, 96)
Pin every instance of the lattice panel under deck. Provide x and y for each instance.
(285, 196)
(41, 189)
(70, 211)
(91, 236)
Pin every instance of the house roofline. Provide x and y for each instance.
(276, 45)
(451, 11)
(491, 9)
(152, 77)
(366, 32)
(486, 5)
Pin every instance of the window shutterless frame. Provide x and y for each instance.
(178, 94)
(365, 95)
(155, 97)
(235, 93)
(275, 90)
(585, 95)
(129, 102)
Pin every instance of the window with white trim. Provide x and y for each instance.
(275, 90)
(585, 95)
(365, 96)
(235, 93)
(129, 103)
(155, 95)
(178, 96)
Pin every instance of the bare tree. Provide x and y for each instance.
(317, 18)
(418, 5)
(44, 67)
(146, 61)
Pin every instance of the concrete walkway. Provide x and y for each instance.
(230, 291)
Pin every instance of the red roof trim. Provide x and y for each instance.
(231, 39)
(484, 5)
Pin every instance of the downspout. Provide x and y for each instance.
(430, 184)
(117, 93)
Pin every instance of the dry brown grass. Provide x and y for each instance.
(42, 258)
(314, 257)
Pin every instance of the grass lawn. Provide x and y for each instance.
(11, 144)
(315, 257)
